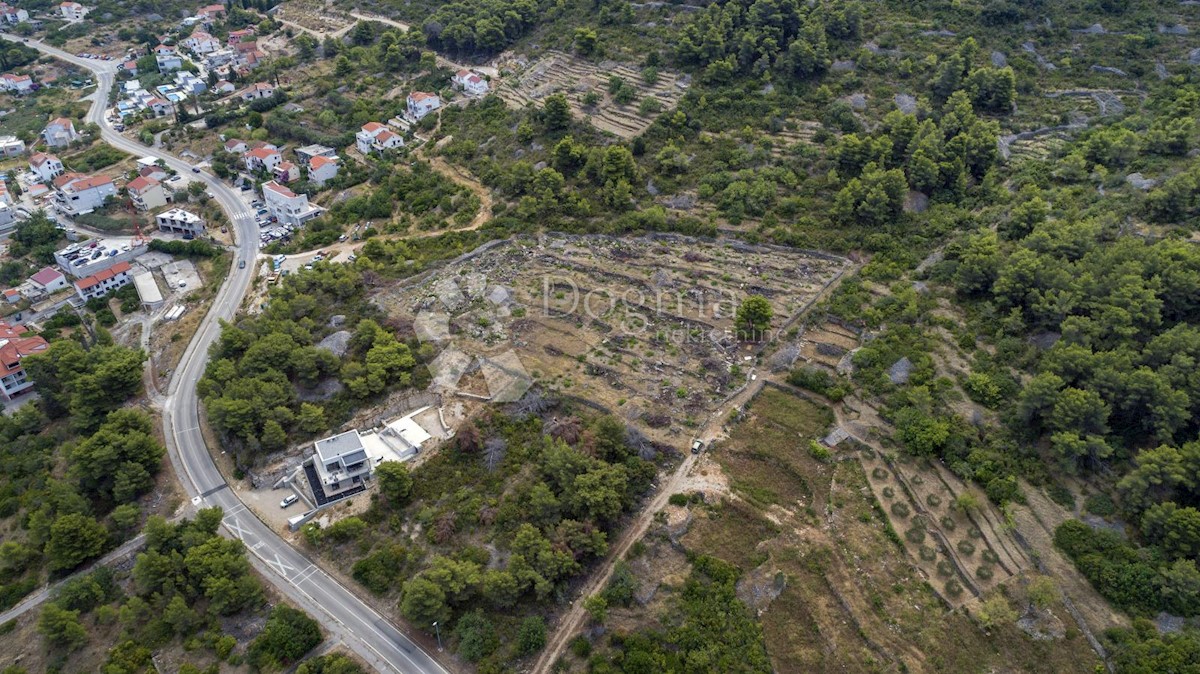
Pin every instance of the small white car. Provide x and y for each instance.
(288, 501)
(697, 446)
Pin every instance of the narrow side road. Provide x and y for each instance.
(341, 613)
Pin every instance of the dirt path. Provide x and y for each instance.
(570, 622)
(468, 181)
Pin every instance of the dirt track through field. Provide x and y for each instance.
(572, 620)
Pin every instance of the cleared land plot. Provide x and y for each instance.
(822, 574)
(558, 72)
(641, 327)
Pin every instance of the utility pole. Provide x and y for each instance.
(439, 635)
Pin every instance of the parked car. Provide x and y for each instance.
(241, 264)
(289, 500)
(697, 446)
(195, 169)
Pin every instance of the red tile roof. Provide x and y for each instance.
(100, 277)
(372, 127)
(46, 276)
(262, 153)
(140, 183)
(318, 162)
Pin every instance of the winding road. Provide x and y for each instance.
(343, 615)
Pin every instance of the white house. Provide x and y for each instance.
(60, 132)
(340, 463)
(167, 58)
(189, 83)
(256, 91)
(82, 194)
(288, 207)
(47, 167)
(17, 84)
(470, 82)
(223, 87)
(421, 103)
(201, 43)
(322, 169)
(161, 107)
(11, 146)
(73, 11)
(375, 137)
(146, 193)
(262, 158)
(48, 280)
(8, 217)
(235, 146)
(305, 154)
(104, 282)
(14, 347)
(179, 221)
(13, 15)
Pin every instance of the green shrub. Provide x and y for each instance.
(953, 588)
(287, 636)
(974, 532)
(900, 509)
(966, 548)
(818, 451)
(915, 535)
(888, 492)
(945, 568)
(880, 474)
(927, 553)
(990, 557)
(678, 499)
(947, 523)
(933, 500)
(1100, 504)
(984, 573)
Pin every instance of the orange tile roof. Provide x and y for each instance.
(140, 183)
(102, 276)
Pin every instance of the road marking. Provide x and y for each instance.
(280, 566)
(235, 527)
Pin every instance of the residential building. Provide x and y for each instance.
(288, 207)
(235, 146)
(237, 37)
(160, 107)
(261, 144)
(12, 295)
(421, 103)
(375, 137)
(73, 11)
(256, 91)
(322, 169)
(5, 197)
(167, 58)
(11, 146)
(82, 194)
(46, 167)
(104, 282)
(48, 280)
(156, 172)
(146, 193)
(223, 87)
(189, 83)
(305, 154)
(179, 221)
(340, 463)
(13, 15)
(470, 82)
(13, 347)
(16, 84)
(129, 67)
(262, 158)
(8, 218)
(286, 172)
(60, 132)
(201, 43)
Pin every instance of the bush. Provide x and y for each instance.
(984, 573)
(915, 535)
(818, 381)
(880, 474)
(531, 635)
(287, 636)
(678, 499)
(933, 500)
(966, 548)
(990, 557)
(948, 523)
(901, 510)
(477, 636)
(818, 451)
(927, 553)
(974, 532)
(953, 588)
(193, 248)
(1100, 504)
(945, 568)
(888, 492)
(581, 647)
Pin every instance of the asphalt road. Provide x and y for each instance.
(343, 615)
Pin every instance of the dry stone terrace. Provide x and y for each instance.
(641, 327)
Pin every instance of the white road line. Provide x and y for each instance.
(236, 528)
(279, 565)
